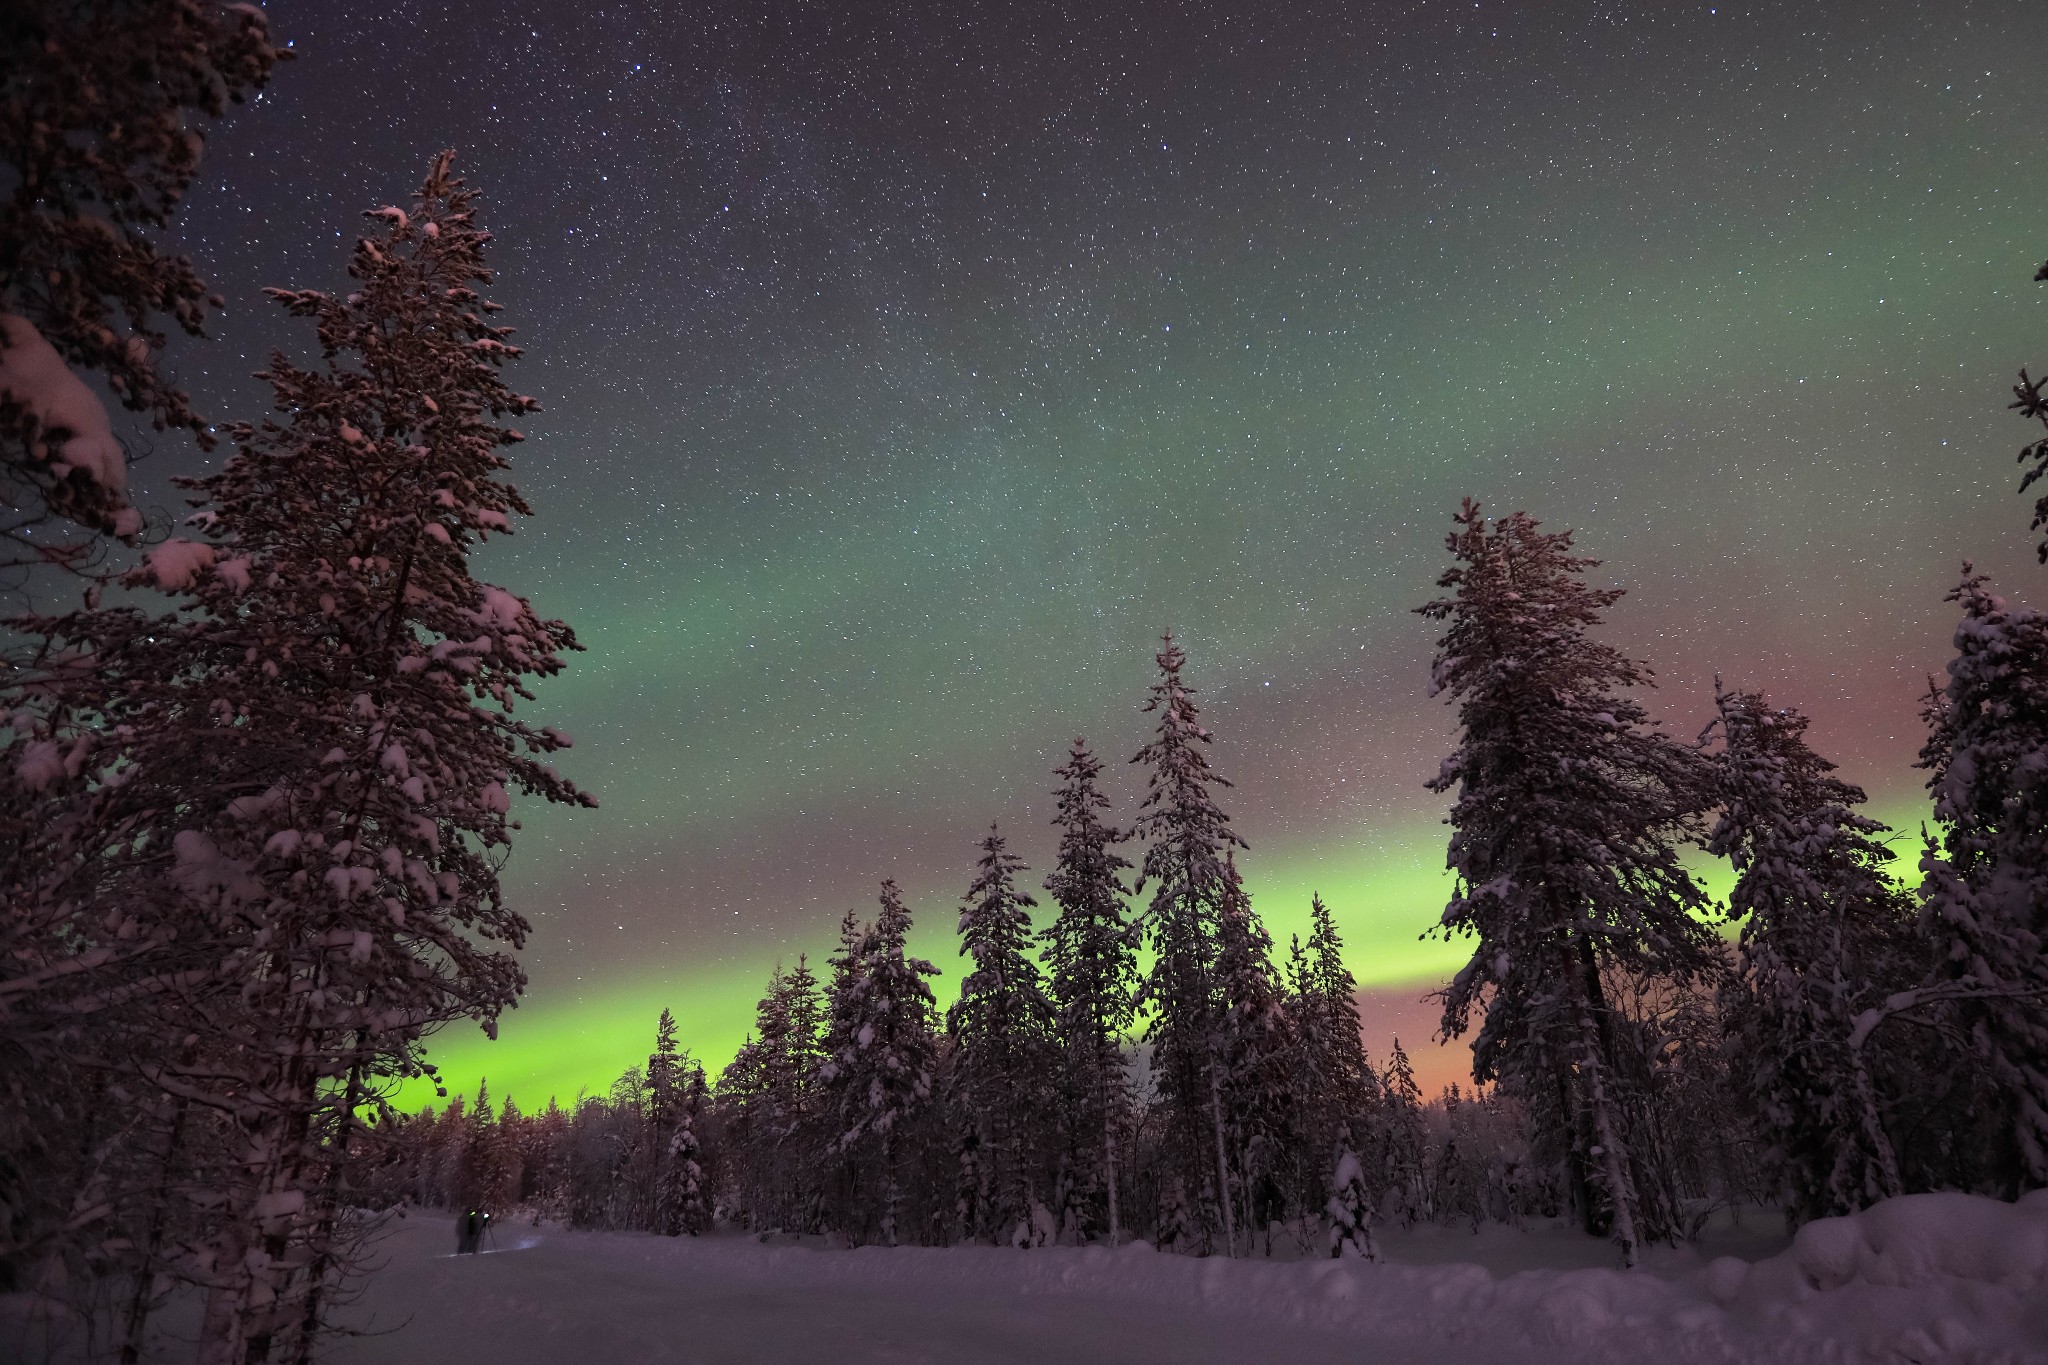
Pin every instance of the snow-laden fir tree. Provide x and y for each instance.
(742, 1085)
(1002, 1032)
(1335, 1083)
(102, 118)
(1350, 1206)
(803, 1040)
(1821, 941)
(1985, 896)
(487, 1170)
(1569, 811)
(510, 1121)
(768, 1094)
(882, 1067)
(678, 1180)
(680, 1201)
(1258, 1066)
(1404, 1137)
(1091, 962)
(318, 752)
(665, 1065)
(841, 1024)
(1188, 843)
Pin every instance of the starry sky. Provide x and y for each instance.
(907, 368)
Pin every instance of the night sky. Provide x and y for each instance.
(907, 368)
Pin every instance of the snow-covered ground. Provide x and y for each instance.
(1927, 1278)
(1922, 1279)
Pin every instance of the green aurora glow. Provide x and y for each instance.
(559, 1050)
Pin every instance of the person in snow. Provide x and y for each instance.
(469, 1231)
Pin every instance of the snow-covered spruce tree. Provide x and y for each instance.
(793, 1077)
(1822, 925)
(101, 129)
(545, 1158)
(1256, 1045)
(1091, 960)
(1569, 811)
(842, 1026)
(320, 761)
(767, 1098)
(742, 1101)
(1189, 840)
(665, 1067)
(882, 1068)
(1404, 1138)
(1336, 1085)
(1985, 897)
(680, 1198)
(1350, 1205)
(487, 1169)
(678, 1179)
(1002, 1032)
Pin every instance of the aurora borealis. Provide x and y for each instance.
(908, 367)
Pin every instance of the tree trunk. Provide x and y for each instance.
(145, 1274)
(892, 1195)
(1109, 1168)
(1222, 1160)
(1608, 1149)
(324, 1231)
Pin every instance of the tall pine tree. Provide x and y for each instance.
(1822, 930)
(883, 1067)
(322, 745)
(1002, 1029)
(1986, 889)
(1336, 1083)
(1569, 811)
(1258, 1063)
(1189, 842)
(1091, 958)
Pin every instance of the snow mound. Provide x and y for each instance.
(1921, 1278)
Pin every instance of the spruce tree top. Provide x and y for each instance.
(1003, 991)
(1188, 831)
(1788, 825)
(1090, 946)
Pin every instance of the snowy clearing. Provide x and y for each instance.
(1935, 1279)
(1926, 1278)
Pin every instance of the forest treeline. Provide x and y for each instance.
(256, 792)
(1863, 1034)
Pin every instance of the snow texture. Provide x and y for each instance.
(176, 564)
(36, 377)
